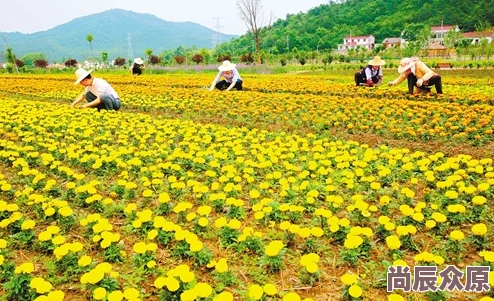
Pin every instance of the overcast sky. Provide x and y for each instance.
(38, 15)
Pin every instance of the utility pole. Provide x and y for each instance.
(130, 52)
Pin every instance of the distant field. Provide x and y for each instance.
(301, 186)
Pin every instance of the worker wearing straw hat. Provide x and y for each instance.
(372, 74)
(418, 75)
(232, 78)
(98, 92)
(137, 66)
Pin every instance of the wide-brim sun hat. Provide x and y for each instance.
(406, 63)
(226, 66)
(377, 61)
(81, 74)
(138, 61)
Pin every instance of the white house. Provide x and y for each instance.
(476, 37)
(439, 32)
(352, 42)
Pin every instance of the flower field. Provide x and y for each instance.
(302, 187)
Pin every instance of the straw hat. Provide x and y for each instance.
(138, 61)
(377, 61)
(226, 66)
(80, 74)
(406, 63)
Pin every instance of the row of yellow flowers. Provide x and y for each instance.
(84, 189)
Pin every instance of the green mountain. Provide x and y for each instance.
(110, 30)
(325, 26)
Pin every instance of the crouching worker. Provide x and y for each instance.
(98, 92)
(418, 75)
(372, 74)
(232, 78)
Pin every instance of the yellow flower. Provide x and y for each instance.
(271, 290)
(203, 290)
(224, 296)
(203, 222)
(274, 248)
(56, 295)
(291, 297)
(221, 266)
(151, 264)
(479, 200)
(140, 248)
(115, 296)
(393, 242)
(28, 224)
(355, 291)
(479, 229)
(3, 243)
(312, 267)
(84, 261)
(395, 297)
(99, 293)
(457, 235)
(131, 293)
(348, 279)
(25, 268)
(1, 259)
(255, 292)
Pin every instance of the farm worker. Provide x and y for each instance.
(232, 78)
(137, 66)
(372, 74)
(97, 92)
(418, 75)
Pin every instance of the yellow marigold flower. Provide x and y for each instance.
(224, 296)
(395, 297)
(271, 290)
(312, 267)
(220, 222)
(316, 231)
(457, 235)
(99, 293)
(25, 268)
(115, 296)
(50, 211)
(274, 248)
(140, 247)
(56, 295)
(291, 297)
(28, 224)
(203, 290)
(221, 266)
(430, 224)
(151, 264)
(84, 261)
(159, 282)
(2, 259)
(255, 292)
(393, 242)
(131, 293)
(254, 193)
(479, 229)
(479, 200)
(355, 291)
(348, 279)
(3, 243)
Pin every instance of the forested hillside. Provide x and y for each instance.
(324, 27)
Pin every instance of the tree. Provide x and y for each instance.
(180, 59)
(29, 58)
(90, 39)
(10, 57)
(149, 53)
(119, 61)
(19, 63)
(198, 58)
(104, 56)
(251, 13)
(41, 63)
(154, 59)
(70, 63)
